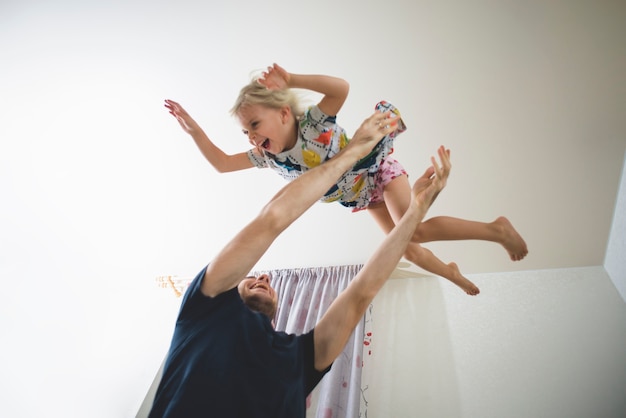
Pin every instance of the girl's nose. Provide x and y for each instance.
(252, 139)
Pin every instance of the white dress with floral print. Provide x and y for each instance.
(319, 139)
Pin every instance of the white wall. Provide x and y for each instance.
(540, 344)
(101, 192)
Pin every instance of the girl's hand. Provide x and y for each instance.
(275, 78)
(186, 122)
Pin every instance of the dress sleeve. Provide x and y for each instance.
(257, 160)
(319, 119)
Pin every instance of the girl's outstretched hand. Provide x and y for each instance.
(275, 78)
(186, 122)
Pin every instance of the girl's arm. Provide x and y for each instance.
(221, 161)
(335, 90)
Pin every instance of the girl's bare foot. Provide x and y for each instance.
(458, 279)
(512, 241)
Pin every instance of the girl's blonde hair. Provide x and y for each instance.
(257, 94)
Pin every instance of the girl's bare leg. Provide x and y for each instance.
(446, 228)
(415, 253)
(425, 259)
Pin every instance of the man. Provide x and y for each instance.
(226, 360)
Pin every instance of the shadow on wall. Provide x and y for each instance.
(410, 345)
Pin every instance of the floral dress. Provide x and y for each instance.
(319, 139)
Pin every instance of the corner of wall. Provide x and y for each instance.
(615, 258)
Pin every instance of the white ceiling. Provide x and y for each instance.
(102, 191)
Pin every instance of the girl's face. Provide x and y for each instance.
(269, 130)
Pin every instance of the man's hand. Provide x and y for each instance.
(372, 130)
(186, 122)
(427, 187)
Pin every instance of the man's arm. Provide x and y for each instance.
(338, 323)
(244, 251)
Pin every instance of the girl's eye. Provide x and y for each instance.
(245, 132)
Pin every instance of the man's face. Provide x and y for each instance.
(258, 295)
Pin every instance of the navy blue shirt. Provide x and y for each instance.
(227, 361)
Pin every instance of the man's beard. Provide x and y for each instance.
(263, 305)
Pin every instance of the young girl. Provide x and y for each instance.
(291, 141)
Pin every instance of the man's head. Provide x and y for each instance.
(258, 295)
